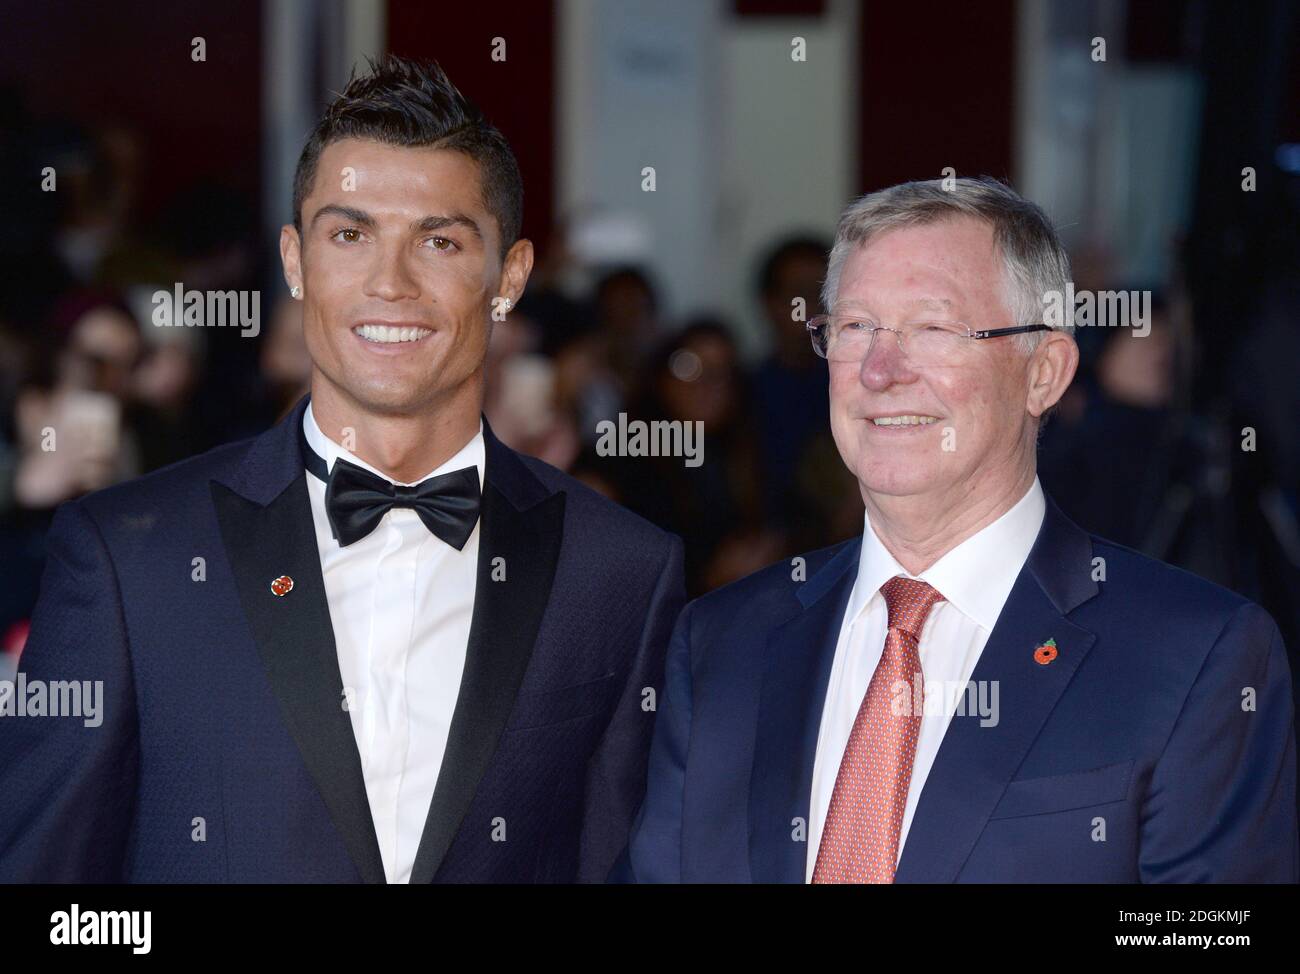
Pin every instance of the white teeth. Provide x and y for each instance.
(390, 334)
(905, 420)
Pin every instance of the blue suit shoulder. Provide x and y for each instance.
(1154, 587)
(169, 493)
(1174, 617)
(769, 596)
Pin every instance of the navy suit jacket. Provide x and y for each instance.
(225, 754)
(1158, 746)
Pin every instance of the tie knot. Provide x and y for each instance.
(909, 601)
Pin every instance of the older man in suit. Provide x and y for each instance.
(975, 689)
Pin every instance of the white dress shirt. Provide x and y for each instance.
(401, 600)
(975, 579)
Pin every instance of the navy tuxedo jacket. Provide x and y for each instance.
(1158, 746)
(225, 753)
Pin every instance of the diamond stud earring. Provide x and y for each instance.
(295, 291)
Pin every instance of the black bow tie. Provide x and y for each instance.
(356, 500)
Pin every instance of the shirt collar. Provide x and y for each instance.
(976, 577)
(472, 453)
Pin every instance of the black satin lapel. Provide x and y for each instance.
(296, 640)
(507, 617)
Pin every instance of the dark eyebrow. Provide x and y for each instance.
(431, 223)
(426, 225)
(348, 213)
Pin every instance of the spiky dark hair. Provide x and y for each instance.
(403, 102)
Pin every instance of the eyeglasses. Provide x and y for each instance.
(847, 338)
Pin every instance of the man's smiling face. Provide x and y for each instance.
(398, 273)
(946, 271)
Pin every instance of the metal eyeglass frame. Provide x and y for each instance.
(817, 321)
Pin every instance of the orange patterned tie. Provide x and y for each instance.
(860, 839)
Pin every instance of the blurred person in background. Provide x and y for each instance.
(586, 387)
(209, 231)
(600, 368)
(73, 433)
(521, 395)
(790, 382)
(806, 491)
(23, 363)
(285, 364)
(696, 377)
(163, 390)
(1127, 457)
(72, 407)
(554, 302)
(627, 322)
(99, 173)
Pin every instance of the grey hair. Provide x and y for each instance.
(1034, 260)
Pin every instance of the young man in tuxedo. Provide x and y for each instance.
(372, 644)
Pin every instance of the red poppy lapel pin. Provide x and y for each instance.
(1045, 653)
(282, 585)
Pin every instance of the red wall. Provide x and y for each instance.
(517, 94)
(937, 90)
(129, 61)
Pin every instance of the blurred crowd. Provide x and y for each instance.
(771, 484)
(1130, 454)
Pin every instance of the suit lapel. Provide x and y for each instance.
(521, 523)
(264, 512)
(975, 763)
(798, 664)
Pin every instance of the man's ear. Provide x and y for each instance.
(515, 270)
(291, 255)
(1051, 370)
